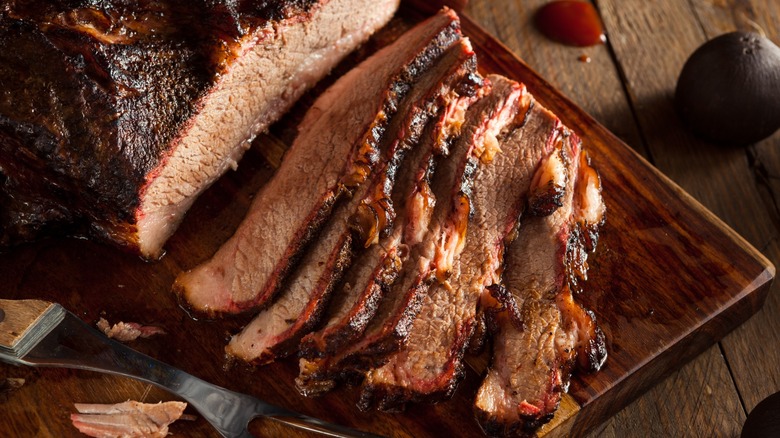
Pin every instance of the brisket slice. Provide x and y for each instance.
(336, 148)
(430, 364)
(366, 282)
(115, 116)
(539, 330)
(275, 332)
(451, 186)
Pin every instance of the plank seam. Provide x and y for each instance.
(624, 87)
(733, 379)
(762, 178)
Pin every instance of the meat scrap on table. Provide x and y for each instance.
(130, 419)
(128, 331)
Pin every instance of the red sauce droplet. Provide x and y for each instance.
(584, 58)
(571, 22)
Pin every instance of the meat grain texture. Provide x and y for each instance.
(115, 117)
(540, 333)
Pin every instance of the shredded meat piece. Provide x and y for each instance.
(128, 331)
(127, 420)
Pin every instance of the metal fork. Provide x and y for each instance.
(54, 337)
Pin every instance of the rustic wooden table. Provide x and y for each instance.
(628, 86)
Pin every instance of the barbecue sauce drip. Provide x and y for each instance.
(571, 22)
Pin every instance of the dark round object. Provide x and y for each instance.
(764, 419)
(729, 89)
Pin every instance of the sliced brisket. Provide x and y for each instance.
(540, 330)
(275, 332)
(429, 366)
(336, 149)
(367, 281)
(432, 257)
(115, 116)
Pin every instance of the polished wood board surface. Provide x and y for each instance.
(667, 281)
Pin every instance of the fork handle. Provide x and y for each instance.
(17, 317)
(25, 322)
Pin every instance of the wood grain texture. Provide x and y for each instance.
(687, 403)
(669, 279)
(653, 43)
(18, 317)
(753, 364)
(594, 86)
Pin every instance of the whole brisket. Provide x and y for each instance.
(115, 116)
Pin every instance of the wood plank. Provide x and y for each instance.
(753, 365)
(18, 318)
(703, 281)
(687, 403)
(651, 43)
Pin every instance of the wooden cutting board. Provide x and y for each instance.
(668, 280)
